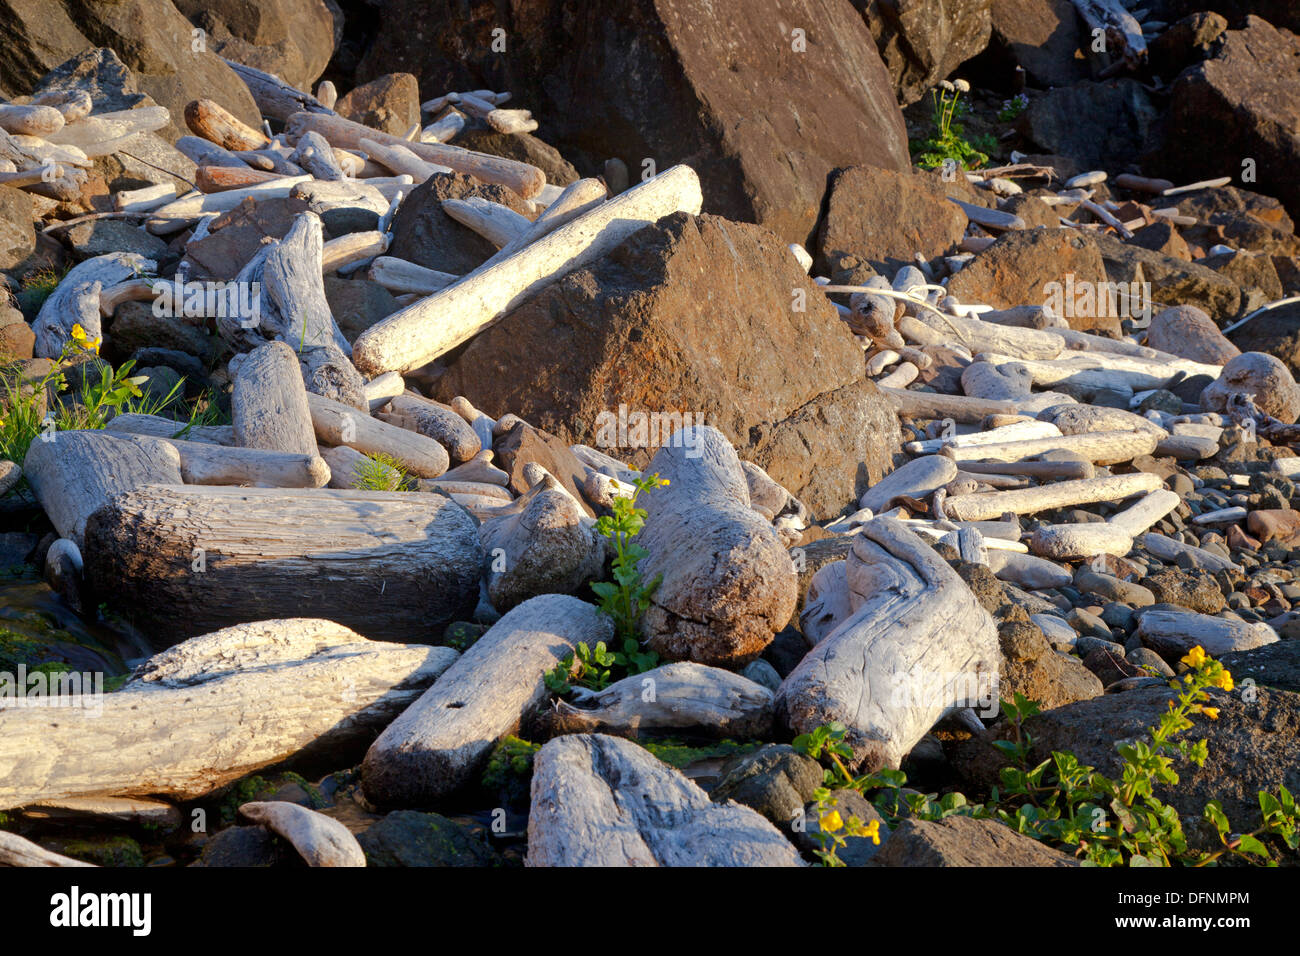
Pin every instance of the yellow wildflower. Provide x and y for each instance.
(832, 822)
(1195, 657)
(1224, 681)
(873, 830)
(1211, 712)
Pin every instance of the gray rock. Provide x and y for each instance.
(856, 850)
(776, 780)
(919, 478)
(411, 838)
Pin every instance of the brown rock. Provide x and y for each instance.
(17, 234)
(921, 43)
(1198, 591)
(1109, 666)
(427, 236)
(721, 85)
(524, 444)
(1188, 332)
(1043, 37)
(1031, 667)
(1162, 237)
(1171, 279)
(1276, 332)
(691, 316)
(16, 336)
(234, 237)
(294, 39)
(882, 217)
(964, 841)
(390, 103)
(1262, 376)
(1274, 524)
(1188, 41)
(524, 147)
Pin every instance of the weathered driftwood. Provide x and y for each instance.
(207, 153)
(682, 696)
(1078, 419)
(215, 179)
(275, 98)
(30, 177)
(1167, 549)
(1102, 448)
(577, 198)
(479, 469)
(16, 851)
(73, 104)
(1187, 447)
(919, 478)
(960, 408)
(339, 424)
(144, 199)
(183, 559)
(603, 801)
(136, 423)
(319, 840)
(420, 333)
(439, 422)
(316, 156)
(1017, 431)
(78, 472)
(1060, 494)
(346, 468)
(728, 583)
(174, 216)
(268, 404)
(1172, 632)
(524, 179)
(548, 546)
(827, 603)
(511, 121)
(1114, 536)
(443, 738)
(1026, 570)
(214, 122)
(214, 709)
(498, 224)
(398, 276)
(1123, 33)
(1104, 369)
(917, 644)
(978, 336)
(351, 248)
(75, 301)
(203, 463)
(1032, 469)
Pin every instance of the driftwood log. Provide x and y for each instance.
(1172, 632)
(442, 739)
(917, 644)
(728, 583)
(339, 424)
(268, 404)
(75, 301)
(184, 559)
(1060, 494)
(275, 98)
(1103, 448)
(215, 123)
(427, 329)
(214, 709)
(439, 422)
(602, 801)
(1114, 536)
(16, 851)
(319, 840)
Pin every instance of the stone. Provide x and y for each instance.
(245, 846)
(1188, 332)
(1199, 592)
(919, 478)
(1162, 237)
(1273, 665)
(724, 85)
(1248, 93)
(1099, 125)
(691, 316)
(294, 39)
(1262, 376)
(411, 838)
(964, 841)
(146, 159)
(763, 674)
(524, 147)
(135, 326)
(882, 217)
(1275, 524)
(390, 103)
(102, 236)
(1043, 37)
(1041, 266)
(1110, 666)
(357, 304)
(1113, 589)
(16, 336)
(234, 237)
(1171, 279)
(1148, 659)
(922, 43)
(1185, 43)
(1031, 667)
(524, 444)
(427, 236)
(17, 233)
(776, 780)
(1253, 271)
(1275, 332)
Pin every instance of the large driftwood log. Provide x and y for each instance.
(1103, 448)
(548, 546)
(275, 98)
(399, 276)
(427, 329)
(577, 198)
(682, 696)
(917, 645)
(1172, 632)
(174, 216)
(203, 463)
(268, 404)
(497, 223)
(339, 424)
(960, 408)
(439, 422)
(75, 301)
(351, 248)
(1060, 494)
(978, 336)
(1114, 536)
(603, 801)
(443, 738)
(1016, 431)
(78, 472)
(728, 583)
(1102, 369)
(214, 122)
(136, 423)
(184, 559)
(214, 709)
(524, 179)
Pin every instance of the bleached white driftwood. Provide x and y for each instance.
(174, 216)
(1113, 536)
(933, 405)
(268, 404)
(420, 333)
(339, 424)
(917, 644)
(319, 840)
(214, 709)
(352, 247)
(401, 160)
(156, 426)
(445, 736)
(1103, 448)
(316, 156)
(437, 421)
(399, 276)
(1060, 494)
(17, 851)
(1017, 431)
(498, 224)
(75, 301)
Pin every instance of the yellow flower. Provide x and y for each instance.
(832, 821)
(873, 830)
(1195, 657)
(78, 332)
(1224, 681)
(1211, 712)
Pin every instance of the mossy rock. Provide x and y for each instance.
(102, 851)
(35, 640)
(411, 838)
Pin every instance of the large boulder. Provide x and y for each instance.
(1171, 279)
(390, 103)
(1276, 332)
(694, 320)
(922, 41)
(1188, 332)
(17, 234)
(1244, 103)
(294, 39)
(1098, 125)
(762, 97)
(881, 217)
(964, 841)
(1261, 376)
(1043, 36)
(151, 37)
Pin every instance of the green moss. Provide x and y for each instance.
(106, 851)
(512, 758)
(676, 753)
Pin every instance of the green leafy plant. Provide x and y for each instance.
(511, 757)
(382, 472)
(1013, 107)
(587, 667)
(37, 285)
(626, 598)
(948, 145)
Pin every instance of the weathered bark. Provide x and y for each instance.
(1060, 494)
(274, 97)
(421, 332)
(439, 422)
(917, 644)
(1103, 448)
(214, 709)
(75, 301)
(728, 583)
(339, 424)
(268, 405)
(184, 559)
(135, 423)
(442, 739)
(602, 801)
(215, 179)
(524, 179)
(79, 472)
